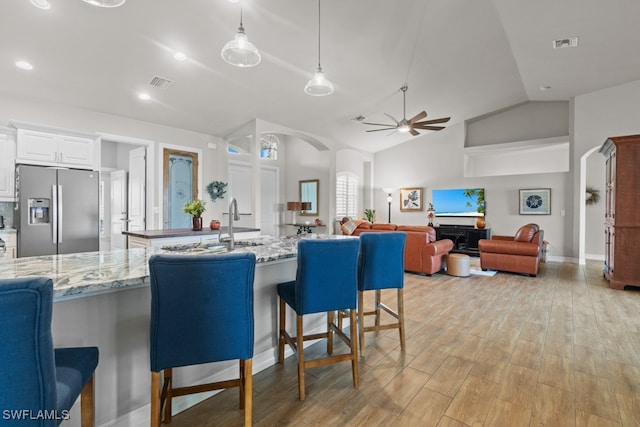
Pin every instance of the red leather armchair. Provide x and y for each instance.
(517, 254)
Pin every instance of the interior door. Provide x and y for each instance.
(137, 190)
(180, 185)
(269, 212)
(119, 217)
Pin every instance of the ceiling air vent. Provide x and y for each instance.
(568, 42)
(160, 82)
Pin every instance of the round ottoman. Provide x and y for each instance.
(458, 265)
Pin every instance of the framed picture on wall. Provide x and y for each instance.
(535, 201)
(411, 199)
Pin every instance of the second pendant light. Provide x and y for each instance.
(319, 85)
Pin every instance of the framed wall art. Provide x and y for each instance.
(536, 201)
(411, 199)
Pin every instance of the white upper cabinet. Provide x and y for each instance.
(7, 165)
(44, 146)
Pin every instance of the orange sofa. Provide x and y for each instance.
(518, 254)
(422, 253)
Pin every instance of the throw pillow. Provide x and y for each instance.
(348, 227)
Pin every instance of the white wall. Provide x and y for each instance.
(597, 116)
(435, 160)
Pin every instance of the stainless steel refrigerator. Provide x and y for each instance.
(58, 210)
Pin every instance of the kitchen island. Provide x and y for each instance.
(102, 299)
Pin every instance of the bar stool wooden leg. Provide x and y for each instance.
(300, 348)
(282, 331)
(247, 399)
(401, 316)
(155, 399)
(361, 320)
(377, 307)
(353, 331)
(87, 405)
(168, 392)
(330, 320)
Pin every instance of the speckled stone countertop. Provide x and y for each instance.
(89, 273)
(183, 232)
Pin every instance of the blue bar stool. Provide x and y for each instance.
(326, 281)
(201, 312)
(36, 379)
(381, 266)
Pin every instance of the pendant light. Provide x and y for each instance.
(105, 3)
(240, 51)
(318, 85)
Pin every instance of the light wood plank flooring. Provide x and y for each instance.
(560, 349)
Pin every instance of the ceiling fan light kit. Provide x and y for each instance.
(319, 85)
(105, 3)
(240, 52)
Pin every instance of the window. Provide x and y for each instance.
(346, 195)
(269, 146)
(240, 145)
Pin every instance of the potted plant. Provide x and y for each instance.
(370, 215)
(195, 209)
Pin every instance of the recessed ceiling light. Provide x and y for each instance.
(41, 4)
(179, 56)
(144, 96)
(233, 1)
(24, 65)
(543, 88)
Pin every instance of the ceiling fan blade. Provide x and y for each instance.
(418, 116)
(414, 132)
(434, 121)
(425, 127)
(378, 130)
(392, 118)
(377, 124)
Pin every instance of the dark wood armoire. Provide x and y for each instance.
(622, 215)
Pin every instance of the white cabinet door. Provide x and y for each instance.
(75, 150)
(53, 149)
(39, 147)
(7, 167)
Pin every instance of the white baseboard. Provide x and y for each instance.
(597, 257)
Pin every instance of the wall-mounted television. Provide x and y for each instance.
(459, 202)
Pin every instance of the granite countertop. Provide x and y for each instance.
(89, 273)
(8, 231)
(184, 232)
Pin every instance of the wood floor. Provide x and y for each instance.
(560, 349)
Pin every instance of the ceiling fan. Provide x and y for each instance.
(413, 124)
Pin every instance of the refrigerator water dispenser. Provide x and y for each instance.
(38, 211)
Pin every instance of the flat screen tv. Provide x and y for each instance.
(467, 202)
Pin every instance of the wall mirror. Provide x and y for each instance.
(309, 191)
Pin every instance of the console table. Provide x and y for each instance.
(464, 237)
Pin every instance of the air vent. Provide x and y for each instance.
(562, 43)
(160, 83)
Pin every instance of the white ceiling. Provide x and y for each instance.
(460, 58)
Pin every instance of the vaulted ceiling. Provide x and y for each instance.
(460, 58)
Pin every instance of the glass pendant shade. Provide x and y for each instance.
(240, 51)
(105, 3)
(318, 85)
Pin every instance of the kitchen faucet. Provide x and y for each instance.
(233, 216)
